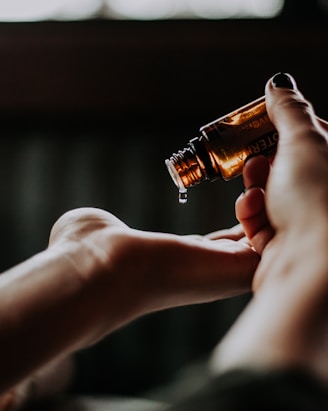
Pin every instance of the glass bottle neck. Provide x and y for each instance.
(191, 166)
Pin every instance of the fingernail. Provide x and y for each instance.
(283, 80)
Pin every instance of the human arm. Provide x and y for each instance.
(98, 274)
(275, 355)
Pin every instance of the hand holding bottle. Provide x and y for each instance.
(285, 215)
(291, 197)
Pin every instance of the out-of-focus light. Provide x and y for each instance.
(210, 9)
(143, 9)
(34, 10)
(214, 9)
(79, 9)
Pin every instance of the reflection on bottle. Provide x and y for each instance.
(223, 146)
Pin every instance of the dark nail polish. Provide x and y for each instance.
(283, 80)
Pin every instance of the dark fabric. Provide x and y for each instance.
(281, 390)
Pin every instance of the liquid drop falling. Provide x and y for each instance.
(183, 197)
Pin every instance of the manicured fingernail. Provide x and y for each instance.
(283, 80)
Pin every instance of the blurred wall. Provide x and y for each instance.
(89, 113)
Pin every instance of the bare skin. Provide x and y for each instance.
(96, 275)
(284, 213)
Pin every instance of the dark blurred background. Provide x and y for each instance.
(89, 112)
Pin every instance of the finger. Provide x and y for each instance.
(251, 212)
(235, 233)
(211, 270)
(291, 113)
(256, 172)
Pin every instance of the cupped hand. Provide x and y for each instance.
(151, 271)
(96, 275)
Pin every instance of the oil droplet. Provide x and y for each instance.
(183, 197)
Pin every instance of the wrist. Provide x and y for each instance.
(277, 328)
(111, 265)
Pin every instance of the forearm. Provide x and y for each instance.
(45, 311)
(68, 297)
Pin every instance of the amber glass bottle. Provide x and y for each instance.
(223, 146)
